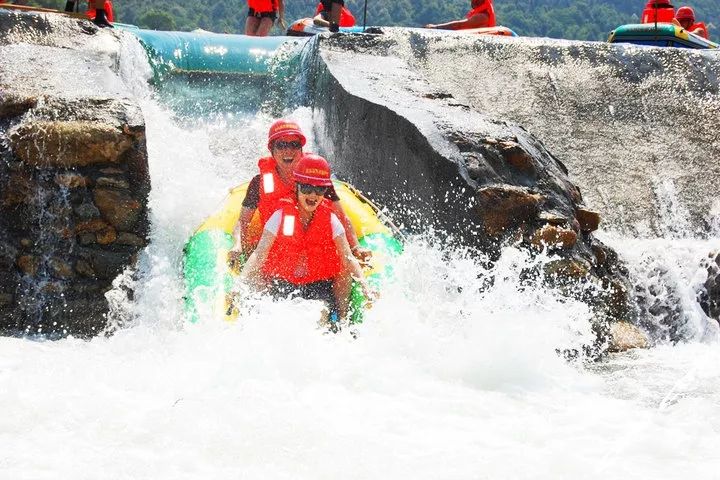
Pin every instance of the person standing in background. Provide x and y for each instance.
(262, 15)
(99, 11)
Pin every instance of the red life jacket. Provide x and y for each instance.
(272, 188)
(664, 12)
(91, 13)
(702, 32)
(487, 9)
(262, 6)
(346, 17)
(301, 256)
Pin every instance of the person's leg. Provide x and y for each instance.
(251, 25)
(342, 286)
(100, 15)
(70, 6)
(335, 15)
(264, 27)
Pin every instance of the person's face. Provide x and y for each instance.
(286, 151)
(686, 23)
(310, 196)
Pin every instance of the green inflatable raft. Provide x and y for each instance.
(209, 281)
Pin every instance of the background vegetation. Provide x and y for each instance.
(572, 19)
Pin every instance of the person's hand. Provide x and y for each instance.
(370, 295)
(235, 260)
(363, 255)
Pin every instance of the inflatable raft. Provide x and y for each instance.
(659, 35)
(305, 27)
(209, 281)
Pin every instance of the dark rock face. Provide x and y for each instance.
(73, 179)
(710, 297)
(438, 163)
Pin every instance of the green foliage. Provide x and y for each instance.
(572, 19)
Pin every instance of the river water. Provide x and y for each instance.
(449, 378)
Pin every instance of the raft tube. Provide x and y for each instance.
(659, 35)
(207, 52)
(305, 27)
(209, 280)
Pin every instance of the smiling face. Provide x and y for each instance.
(309, 196)
(286, 151)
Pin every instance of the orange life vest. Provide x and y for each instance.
(346, 17)
(91, 13)
(702, 32)
(487, 9)
(262, 6)
(301, 256)
(664, 12)
(272, 188)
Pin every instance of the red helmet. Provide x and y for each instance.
(313, 170)
(283, 128)
(685, 13)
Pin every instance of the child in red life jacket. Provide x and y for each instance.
(303, 250)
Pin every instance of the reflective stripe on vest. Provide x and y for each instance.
(288, 228)
(268, 183)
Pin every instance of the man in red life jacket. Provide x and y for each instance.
(322, 15)
(685, 17)
(262, 15)
(660, 11)
(275, 181)
(99, 11)
(481, 15)
(303, 249)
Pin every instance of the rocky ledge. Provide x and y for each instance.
(73, 174)
(439, 163)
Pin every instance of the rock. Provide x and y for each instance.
(112, 182)
(14, 105)
(588, 219)
(71, 180)
(6, 299)
(28, 264)
(106, 236)
(625, 336)
(83, 268)
(710, 297)
(518, 158)
(86, 211)
(505, 206)
(68, 143)
(107, 264)
(94, 225)
(20, 189)
(553, 217)
(125, 238)
(553, 236)
(566, 269)
(118, 207)
(87, 238)
(61, 269)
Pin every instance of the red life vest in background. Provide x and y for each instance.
(301, 256)
(108, 11)
(272, 188)
(486, 8)
(262, 6)
(660, 9)
(346, 17)
(702, 32)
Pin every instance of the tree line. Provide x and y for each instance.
(571, 19)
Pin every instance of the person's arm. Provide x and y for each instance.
(241, 245)
(251, 269)
(476, 21)
(362, 254)
(351, 265)
(319, 21)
